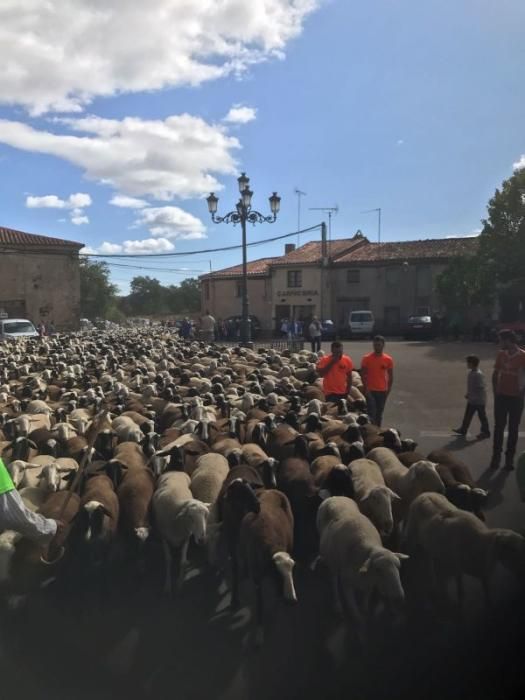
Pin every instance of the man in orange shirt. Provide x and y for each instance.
(377, 372)
(336, 371)
(508, 382)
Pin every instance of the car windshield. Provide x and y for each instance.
(420, 319)
(362, 317)
(19, 327)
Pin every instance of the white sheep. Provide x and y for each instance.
(407, 483)
(373, 496)
(208, 477)
(351, 547)
(127, 430)
(179, 516)
(457, 542)
(38, 406)
(33, 497)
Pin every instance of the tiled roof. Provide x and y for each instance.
(10, 237)
(430, 249)
(312, 252)
(256, 268)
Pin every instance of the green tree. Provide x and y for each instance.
(190, 295)
(147, 296)
(466, 282)
(502, 241)
(97, 294)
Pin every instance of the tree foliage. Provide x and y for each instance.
(149, 297)
(500, 260)
(98, 295)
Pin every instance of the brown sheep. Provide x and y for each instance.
(265, 545)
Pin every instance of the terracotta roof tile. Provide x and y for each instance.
(410, 250)
(312, 252)
(256, 268)
(11, 237)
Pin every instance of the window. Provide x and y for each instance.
(393, 275)
(206, 290)
(424, 280)
(295, 278)
(238, 289)
(353, 276)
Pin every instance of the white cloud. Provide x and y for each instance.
(171, 222)
(400, 142)
(80, 200)
(110, 248)
(162, 159)
(149, 245)
(120, 200)
(87, 250)
(472, 234)
(63, 53)
(138, 247)
(78, 219)
(239, 114)
(75, 203)
(519, 164)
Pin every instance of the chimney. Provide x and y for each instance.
(289, 248)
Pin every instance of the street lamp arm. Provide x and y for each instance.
(253, 217)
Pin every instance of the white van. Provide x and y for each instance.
(17, 328)
(361, 323)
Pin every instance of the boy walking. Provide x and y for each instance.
(476, 399)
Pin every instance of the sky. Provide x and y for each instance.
(118, 118)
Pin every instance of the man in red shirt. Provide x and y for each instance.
(377, 372)
(336, 371)
(508, 382)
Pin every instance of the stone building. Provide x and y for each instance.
(39, 278)
(330, 279)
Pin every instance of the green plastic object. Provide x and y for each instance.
(520, 475)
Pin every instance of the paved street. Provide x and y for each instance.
(143, 646)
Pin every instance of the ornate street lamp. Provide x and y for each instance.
(240, 215)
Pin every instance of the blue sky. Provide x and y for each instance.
(417, 108)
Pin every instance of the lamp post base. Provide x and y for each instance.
(245, 331)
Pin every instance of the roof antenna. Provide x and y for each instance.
(329, 211)
(299, 194)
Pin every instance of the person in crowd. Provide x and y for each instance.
(284, 327)
(315, 332)
(377, 372)
(52, 328)
(15, 516)
(476, 399)
(185, 328)
(336, 371)
(208, 327)
(508, 383)
(41, 328)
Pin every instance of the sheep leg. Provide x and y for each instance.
(234, 604)
(183, 562)
(168, 562)
(351, 609)
(259, 632)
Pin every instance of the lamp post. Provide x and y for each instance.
(241, 214)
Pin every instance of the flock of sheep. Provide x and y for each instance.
(235, 452)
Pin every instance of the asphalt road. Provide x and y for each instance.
(140, 645)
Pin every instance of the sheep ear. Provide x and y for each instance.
(393, 495)
(106, 512)
(401, 556)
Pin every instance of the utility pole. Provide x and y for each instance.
(299, 194)
(329, 211)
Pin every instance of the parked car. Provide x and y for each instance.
(361, 323)
(328, 331)
(235, 321)
(419, 327)
(17, 328)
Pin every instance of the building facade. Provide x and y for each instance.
(331, 279)
(39, 278)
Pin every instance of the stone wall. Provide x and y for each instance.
(41, 285)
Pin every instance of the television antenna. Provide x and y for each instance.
(378, 210)
(299, 194)
(329, 211)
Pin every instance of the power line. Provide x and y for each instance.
(200, 252)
